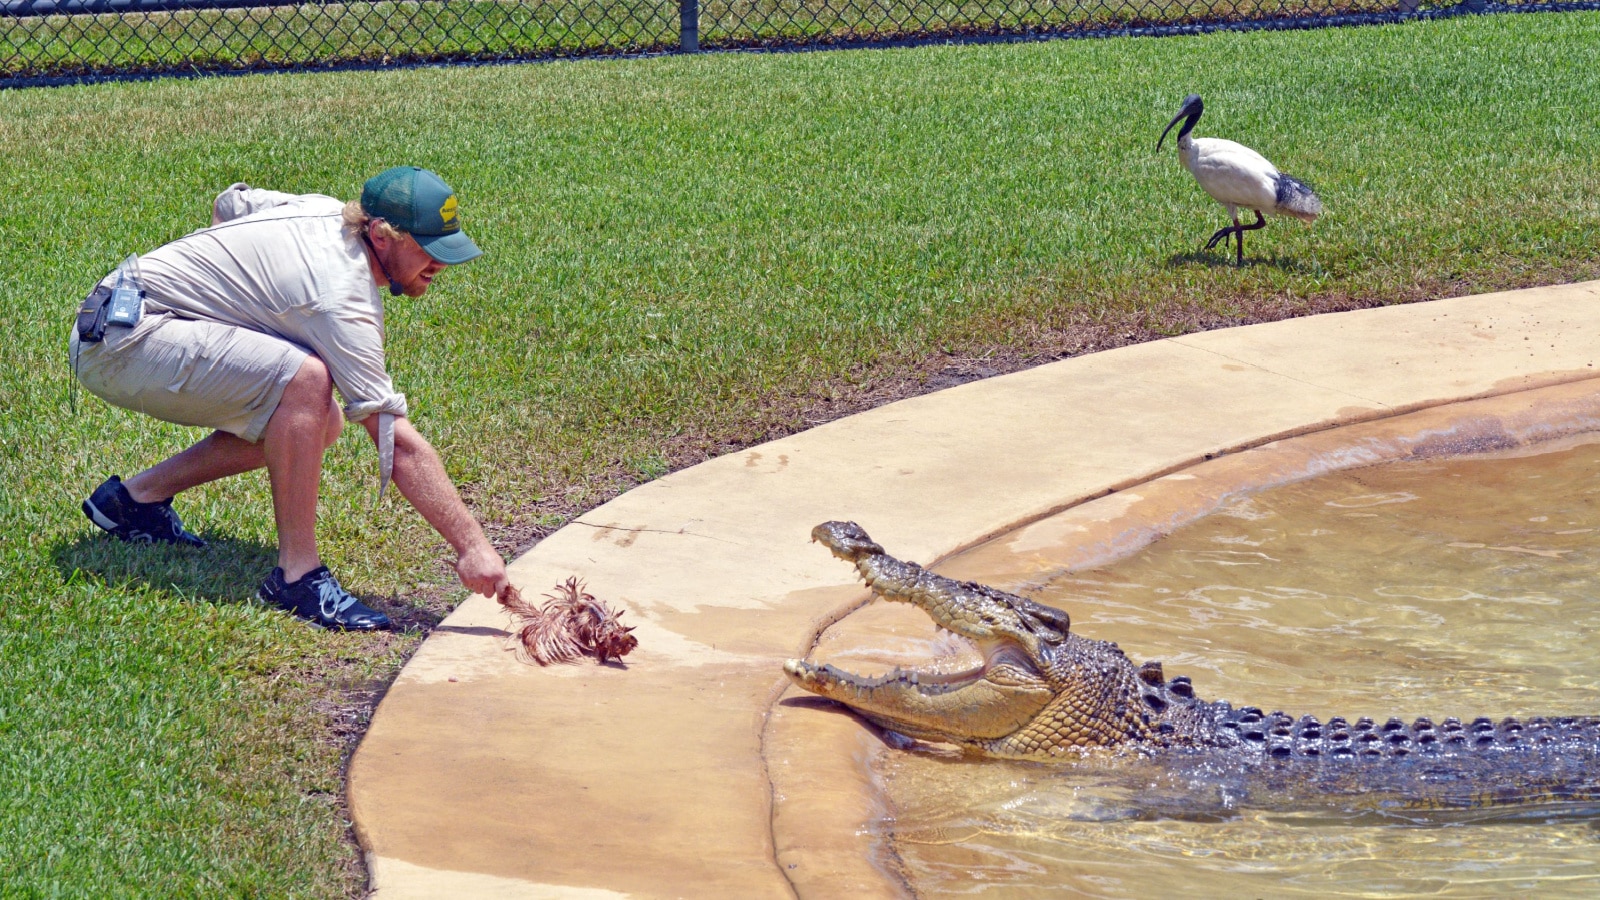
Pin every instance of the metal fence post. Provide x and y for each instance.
(689, 26)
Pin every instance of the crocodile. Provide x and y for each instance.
(1045, 693)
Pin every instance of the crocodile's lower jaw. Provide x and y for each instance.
(924, 704)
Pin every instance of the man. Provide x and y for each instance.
(247, 327)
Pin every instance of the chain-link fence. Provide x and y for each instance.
(49, 40)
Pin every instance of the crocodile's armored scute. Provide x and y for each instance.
(1045, 693)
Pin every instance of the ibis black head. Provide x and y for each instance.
(1191, 110)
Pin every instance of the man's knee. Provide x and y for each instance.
(308, 400)
(314, 383)
(312, 378)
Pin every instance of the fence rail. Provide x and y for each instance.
(46, 41)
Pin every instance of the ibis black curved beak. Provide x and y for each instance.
(1191, 110)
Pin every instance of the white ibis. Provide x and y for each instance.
(1238, 178)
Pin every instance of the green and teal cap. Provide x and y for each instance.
(419, 203)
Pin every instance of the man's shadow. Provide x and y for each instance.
(229, 570)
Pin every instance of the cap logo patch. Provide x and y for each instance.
(447, 213)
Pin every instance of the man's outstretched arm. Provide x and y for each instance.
(420, 476)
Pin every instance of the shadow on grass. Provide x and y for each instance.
(228, 570)
(1214, 260)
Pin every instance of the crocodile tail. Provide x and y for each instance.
(1296, 198)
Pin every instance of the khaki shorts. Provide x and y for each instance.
(190, 372)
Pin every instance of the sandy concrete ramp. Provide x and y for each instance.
(484, 777)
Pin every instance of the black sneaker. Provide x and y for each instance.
(320, 600)
(114, 509)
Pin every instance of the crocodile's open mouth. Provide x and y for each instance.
(1000, 657)
(972, 700)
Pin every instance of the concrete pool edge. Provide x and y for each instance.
(839, 750)
(483, 777)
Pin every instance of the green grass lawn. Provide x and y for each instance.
(685, 255)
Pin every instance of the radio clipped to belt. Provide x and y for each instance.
(121, 304)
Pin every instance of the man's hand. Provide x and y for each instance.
(482, 570)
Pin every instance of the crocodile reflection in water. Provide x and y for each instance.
(1044, 693)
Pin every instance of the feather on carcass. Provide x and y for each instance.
(569, 625)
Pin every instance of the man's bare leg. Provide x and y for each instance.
(217, 455)
(293, 463)
(293, 451)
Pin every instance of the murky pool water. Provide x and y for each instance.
(1457, 587)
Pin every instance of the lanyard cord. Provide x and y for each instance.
(394, 289)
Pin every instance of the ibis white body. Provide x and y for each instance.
(1238, 178)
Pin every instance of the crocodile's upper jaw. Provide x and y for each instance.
(976, 612)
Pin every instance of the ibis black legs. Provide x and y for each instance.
(1237, 231)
